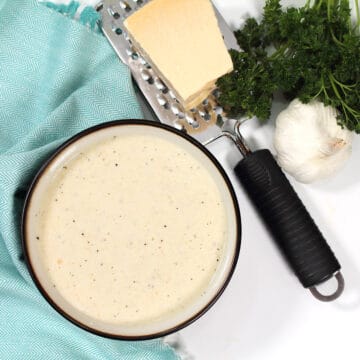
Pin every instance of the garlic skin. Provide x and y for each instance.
(310, 145)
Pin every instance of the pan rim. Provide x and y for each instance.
(42, 171)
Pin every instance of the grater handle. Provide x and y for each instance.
(292, 227)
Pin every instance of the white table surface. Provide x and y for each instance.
(265, 313)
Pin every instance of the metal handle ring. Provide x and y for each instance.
(327, 298)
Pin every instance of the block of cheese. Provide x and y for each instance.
(181, 39)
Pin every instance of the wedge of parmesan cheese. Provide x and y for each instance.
(182, 41)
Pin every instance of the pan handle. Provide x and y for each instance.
(292, 227)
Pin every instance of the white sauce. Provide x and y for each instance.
(132, 229)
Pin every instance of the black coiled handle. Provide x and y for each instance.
(291, 225)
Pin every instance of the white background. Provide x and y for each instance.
(265, 313)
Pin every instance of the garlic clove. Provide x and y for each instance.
(310, 144)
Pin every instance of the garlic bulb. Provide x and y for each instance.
(310, 144)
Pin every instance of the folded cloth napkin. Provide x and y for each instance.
(57, 77)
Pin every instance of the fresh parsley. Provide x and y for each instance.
(310, 52)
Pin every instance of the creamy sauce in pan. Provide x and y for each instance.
(132, 229)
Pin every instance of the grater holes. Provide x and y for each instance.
(143, 61)
(190, 119)
(134, 55)
(205, 115)
(147, 76)
(216, 93)
(99, 7)
(161, 86)
(163, 101)
(195, 124)
(127, 38)
(218, 110)
(118, 31)
(172, 95)
(125, 6)
(175, 108)
(209, 107)
(113, 13)
(177, 125)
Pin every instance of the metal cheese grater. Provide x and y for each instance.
(293, 229)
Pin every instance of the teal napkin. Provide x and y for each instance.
(57, 77)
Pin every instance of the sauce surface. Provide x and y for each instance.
(132, 229)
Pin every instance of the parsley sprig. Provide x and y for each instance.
(310, 52)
